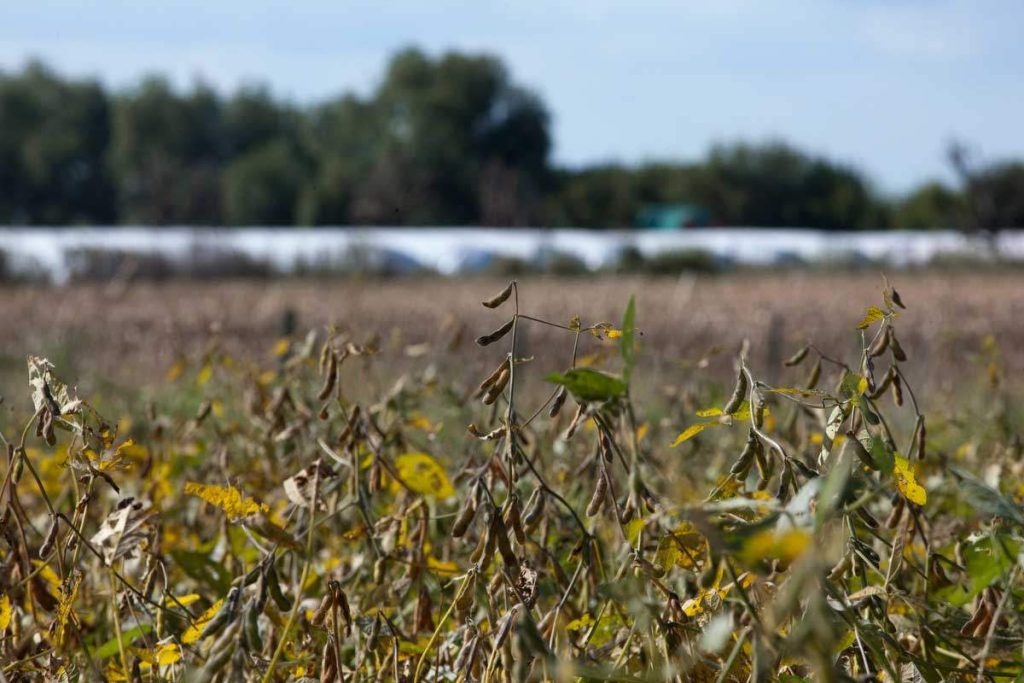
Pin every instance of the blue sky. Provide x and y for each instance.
(876, 83)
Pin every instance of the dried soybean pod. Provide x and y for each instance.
(600, 493)
(464, 598)
(499, 298)
(328, 663)
(51, 539)
(534, 509)
(274, 588)
(481, 546)
(606, 447)
(320, 615)
(746, 459)
(886, 381)
(466, 515)
(556, 406)
(574, 424)
(329, 377)
(812, 379)
(499, 386)
(488, 339)
(493, 377)
(897, 350)
(252, 628)
(897, 390)
(797, 357)
(758, 412)
(880, 344)
(514, 518)
(739, 392)
(896, 514)
(501, 539)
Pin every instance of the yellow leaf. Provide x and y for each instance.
(424, 475)
(183, 600)
(48, 575)
(441, 567)
(633, 529)
(862, 385)
(204, 374)
(193, 632)
(227, 498)
(168, 654)
(584, 622)
(692, 431)
(684, 547)
(281, 347)
(613, 334)
(873, 314)
(6, 612)
(906, 482)
(770, 544)
(709, 412)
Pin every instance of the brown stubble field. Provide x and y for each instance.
(129, 335)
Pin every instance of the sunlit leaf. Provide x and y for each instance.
(588, 384)
(872, 315)
(193, 632)
(227, 498)
(906, 482)
(424, 475)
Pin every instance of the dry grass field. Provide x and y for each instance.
(130, 335)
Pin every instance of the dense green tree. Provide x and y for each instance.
(449, 139)
(167, 154)
(777, 185)
(932, 205)
(54, 137)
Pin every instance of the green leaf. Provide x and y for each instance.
(588, 384)
(628, 339)
(986, 499)
(110, 648)
(200, 567)
(987, 559)
(885, 459)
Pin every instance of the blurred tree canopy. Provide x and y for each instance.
(445, 140)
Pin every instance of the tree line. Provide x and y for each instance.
(447, 140)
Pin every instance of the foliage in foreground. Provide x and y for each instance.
(287, 532)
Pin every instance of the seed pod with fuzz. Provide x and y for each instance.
(464, 518)
(797, 357)
(534, 509)
(739, 393)
(514, 518)
(497, 334)
(499, 385)
(880, 344)
(51, 539)
(330, 376)
(501, 539)
(897, 350)
(600, 493)
(897, 390)
(812, 379)
(500, 298)
(493, 377)
(559, 401)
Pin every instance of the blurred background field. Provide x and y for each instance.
(127, 336)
